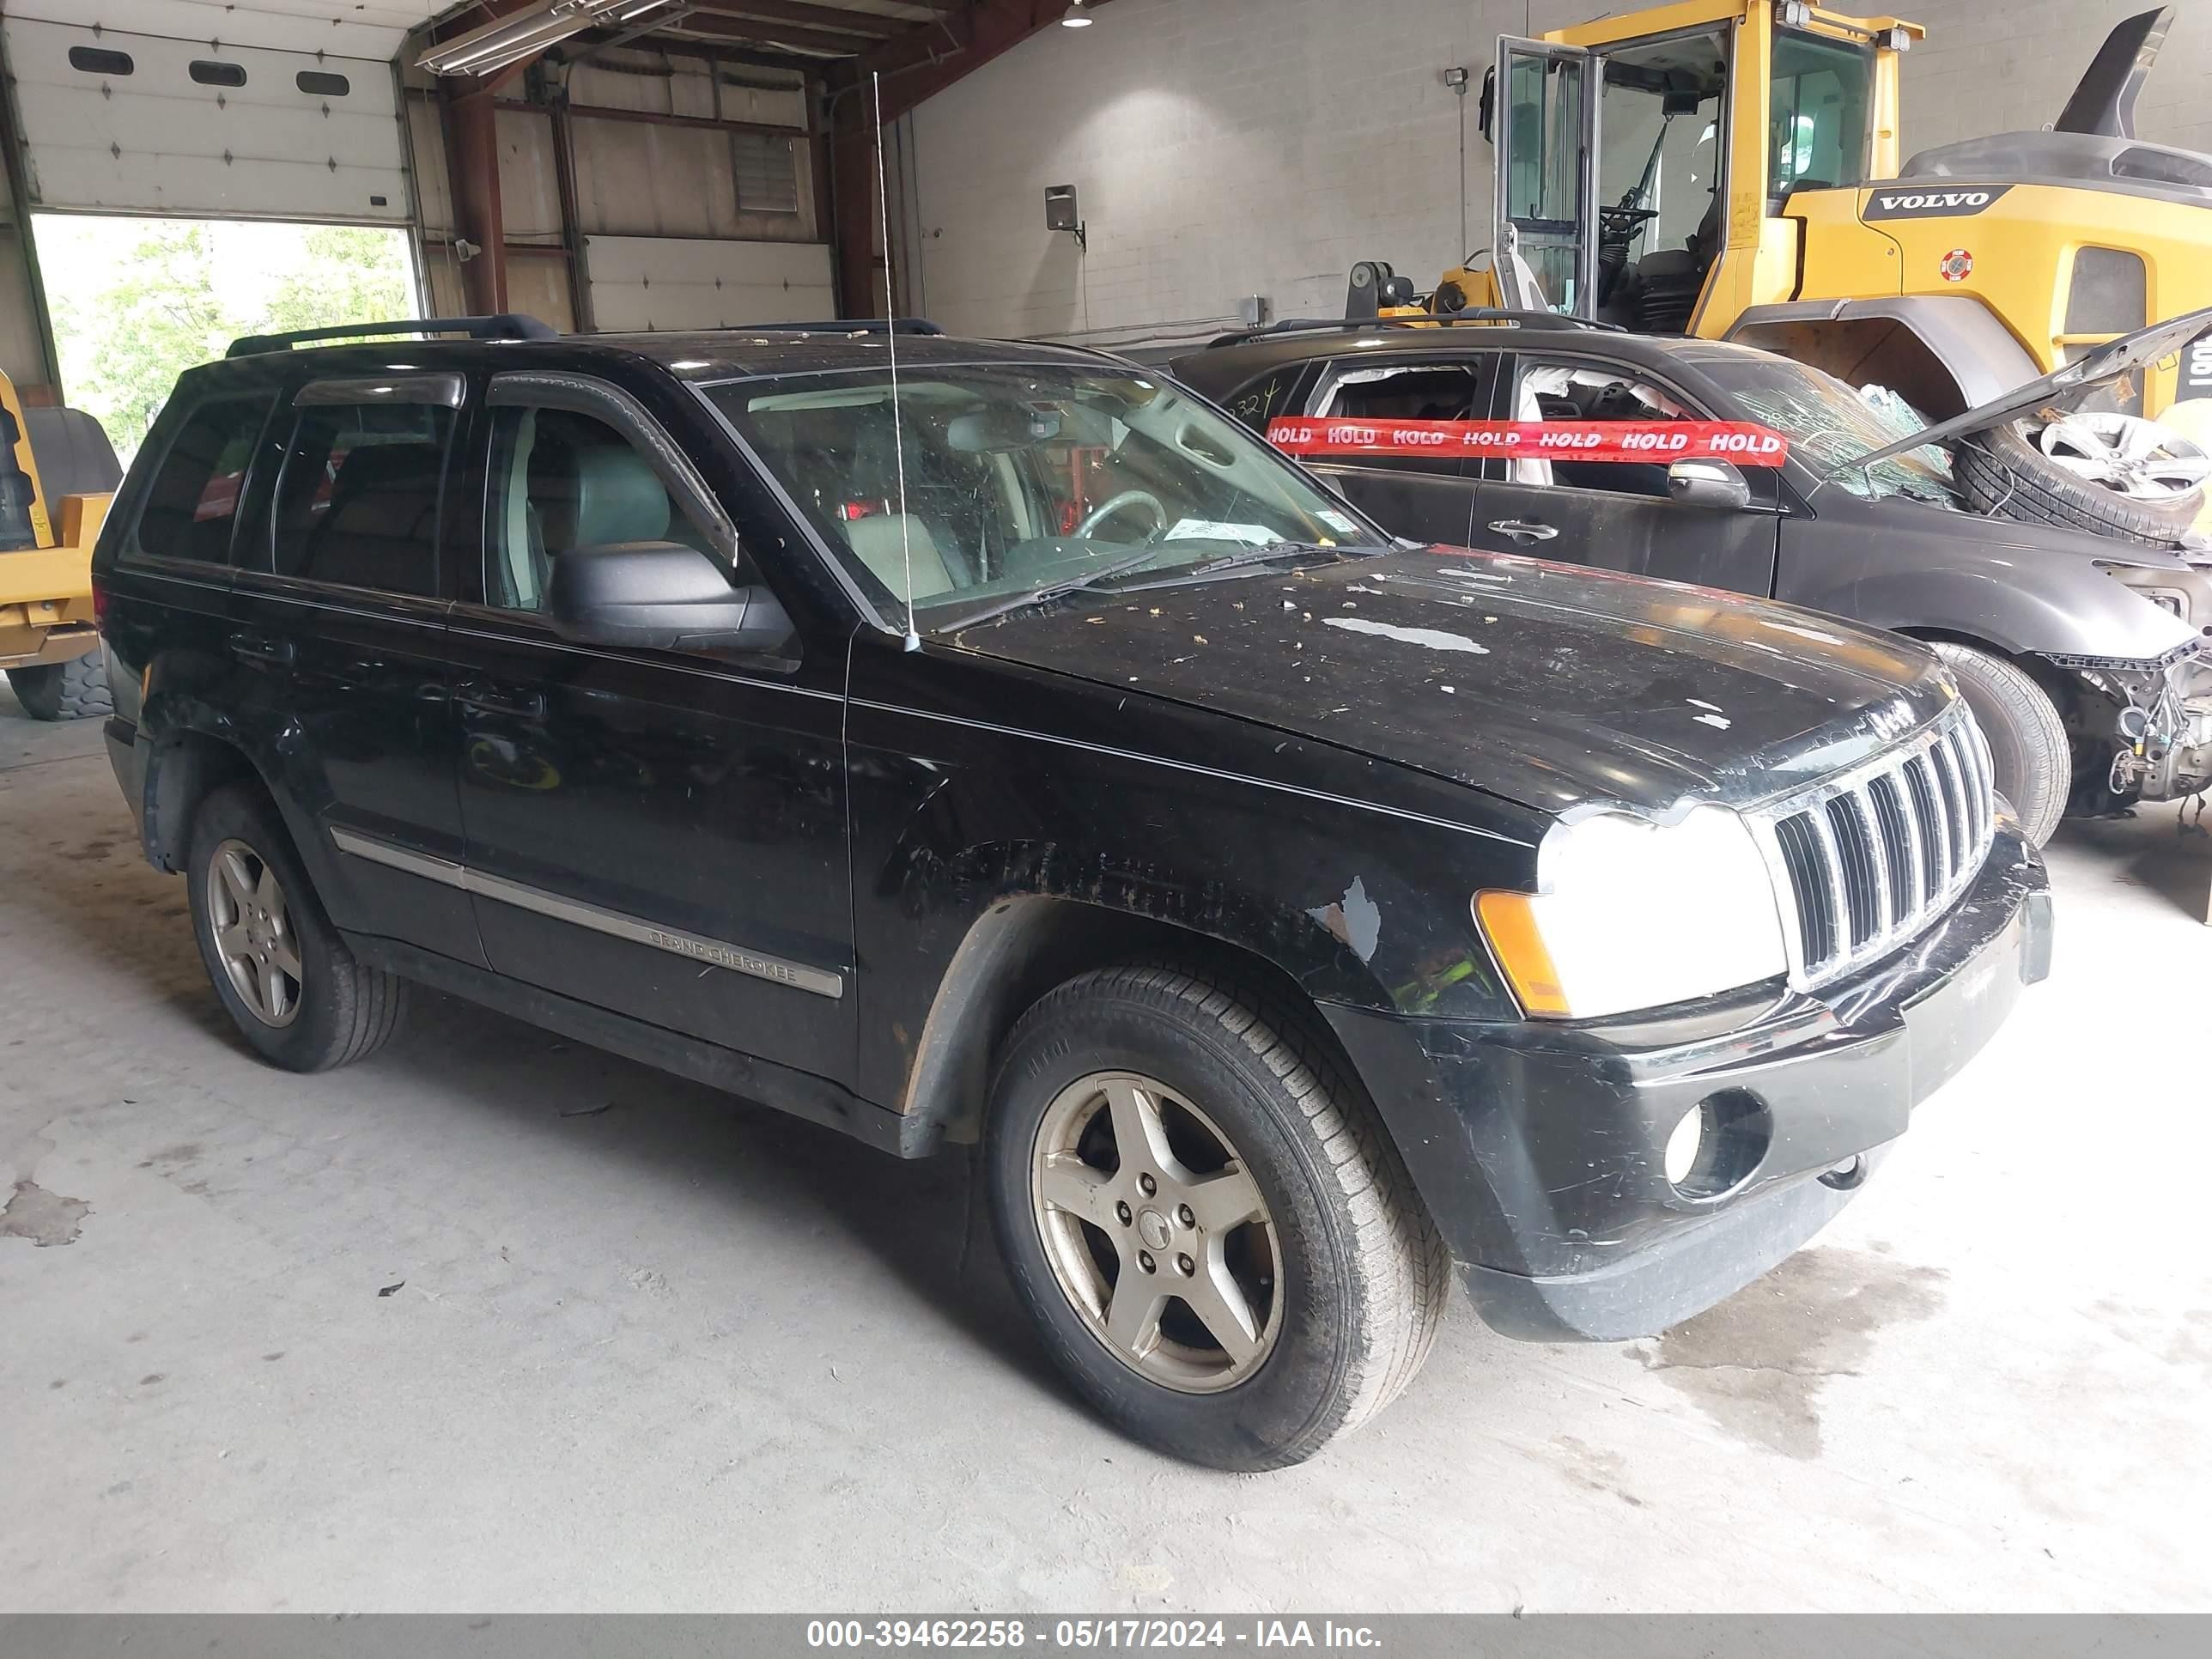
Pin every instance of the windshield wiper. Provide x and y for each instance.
(1052, 591)
(1232, 561)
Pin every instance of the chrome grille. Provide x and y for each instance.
(1872, 856)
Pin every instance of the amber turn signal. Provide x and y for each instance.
(1508, 921)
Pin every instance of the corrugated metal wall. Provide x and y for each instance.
(693, 196)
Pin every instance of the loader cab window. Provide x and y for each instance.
(1817, 109)
(1661, 166)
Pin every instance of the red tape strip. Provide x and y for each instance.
(1743, 443)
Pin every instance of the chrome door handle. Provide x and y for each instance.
(1525, 530)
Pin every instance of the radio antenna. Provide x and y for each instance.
(890, 335)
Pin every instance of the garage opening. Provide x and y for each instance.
(137, 301)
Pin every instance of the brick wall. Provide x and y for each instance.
(1225, 148)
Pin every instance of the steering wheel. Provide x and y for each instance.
(1114, 505)
(1623, 220)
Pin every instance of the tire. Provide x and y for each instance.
(247, 884)
(2028, 747)
(72, 690)
(2005, 473)
(1341, 1276)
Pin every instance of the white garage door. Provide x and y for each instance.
(225, 124)
(669, 281)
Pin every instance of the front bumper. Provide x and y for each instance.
(1539, 1148)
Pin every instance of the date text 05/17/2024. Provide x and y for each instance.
(1085, 1634)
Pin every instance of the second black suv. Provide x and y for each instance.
(1010, 747)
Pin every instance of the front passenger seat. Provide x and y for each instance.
(885, 542)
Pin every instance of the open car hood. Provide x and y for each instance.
(2093, 368)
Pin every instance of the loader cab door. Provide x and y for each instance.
(1545, 136)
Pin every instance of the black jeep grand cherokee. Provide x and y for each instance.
(1291, 915)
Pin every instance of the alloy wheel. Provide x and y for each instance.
(254, 935)
(1157, 1232)
(2130, 456)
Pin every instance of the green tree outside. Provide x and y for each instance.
(130, 316)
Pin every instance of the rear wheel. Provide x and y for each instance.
(2110, 474)
(75, 689)
(1218, 1245)
(2029, 748)
(284, 974)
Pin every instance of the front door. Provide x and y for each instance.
(1619, 515)
(659, 833)
(339, 641)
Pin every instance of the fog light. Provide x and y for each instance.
(1717, 1144)
(1684, 1145)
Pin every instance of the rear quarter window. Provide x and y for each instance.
(192, 506)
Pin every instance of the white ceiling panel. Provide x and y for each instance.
(348, 28)
(166, 138)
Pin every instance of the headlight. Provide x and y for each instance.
(1630, 915)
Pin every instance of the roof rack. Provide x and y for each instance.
(1409, 319)
(508, 326)
(848, 325)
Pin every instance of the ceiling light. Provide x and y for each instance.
(1078, 18)
(509, 40)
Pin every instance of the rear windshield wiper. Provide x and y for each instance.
(1052, 591)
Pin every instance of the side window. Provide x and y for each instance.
(1409, 392)
(561, 480)
(193, 500)
(357, 503)
(1591, 392)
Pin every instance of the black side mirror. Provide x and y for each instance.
(1485, 106)
(662, 595)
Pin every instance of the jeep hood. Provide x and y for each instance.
(1548, 684)
(2093, 368)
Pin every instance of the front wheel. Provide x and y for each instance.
(1217, 1243)
(2028, 748)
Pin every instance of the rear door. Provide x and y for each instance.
(1429, 498)
(339, 633)
(1618, 515)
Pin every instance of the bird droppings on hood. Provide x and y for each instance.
(1353, 921)
(1446, 689)
(1434, 639)
(1718, 722)
(1699, 703)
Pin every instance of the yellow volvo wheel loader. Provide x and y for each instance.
(1730, 168)
(57, 475)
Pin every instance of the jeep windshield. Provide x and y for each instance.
(1832, 428)
(1028, 480)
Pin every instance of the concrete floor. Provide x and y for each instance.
(652, 1350)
